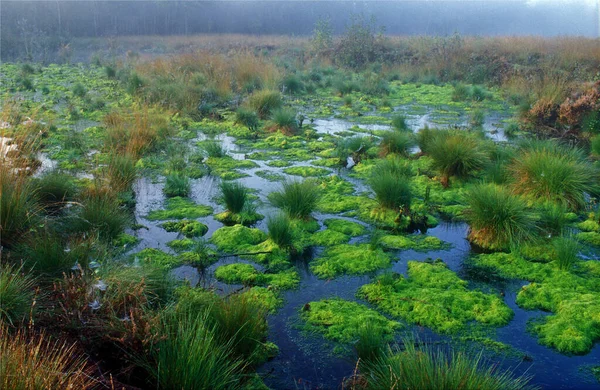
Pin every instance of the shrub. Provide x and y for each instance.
(396, 142)
(265, 102)
(567, 250)
(16, 294)
(100, 212)
(399, 123)
(54, 188)
(547, 170)
(191, 355)
(37, 363)
(359, 45)
(79, 90)
(456, 154)
(177, 184)
(297, 199)
(121, 171)
(292, 84)
(391, 191)
(234, 195)
(214, 149)
(110, 72)
(497, 218)
(423, 367)
(285, 120)
(477, 117)
(45, 251)
(461, 93)
(247, 118)
(281, 231)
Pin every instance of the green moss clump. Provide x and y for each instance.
(415, 242)
(180, 208)
(246, 218)
(592, 238)
(589, 226)
(156, 257)
(243, 273)
(237, 239)
(270, 175)
(347, 227)
(125, 240)
(329, 237)
(342, 321)
(305, 171)
(349, 259)
(435, 297)
(266, 297)
(279, 163)
(187, 227)
(181, 245)
(332, 162)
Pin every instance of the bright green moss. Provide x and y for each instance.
(181, 245)
(349, 259)
(156, 258)
(125, 241)
(435, 297)
(225, 167)
(244, 218)
(279, 163)
(270, 175)
(592, 238)
(329, 237)
(342, 321)
(332, 162)
(187, 227)
(344, 226)
(266, 297)
(180, 208)
(415, 242)
(589, 226)
(237, 239)
(247, 274)
(306, 171)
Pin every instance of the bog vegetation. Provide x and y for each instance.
(353, 150)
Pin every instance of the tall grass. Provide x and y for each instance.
(177, 184)
(399, 123)
(547, 170)
(18, 205)
(285, 121)
(370, 344)
(567, 250)
(234, 195)
(297, 198)
(33, 363)
(121, 171)
(280, 230)
(213, 149)
(426, 367)
(247, 118)
(396, 142)
(99, 211)
(264, 102)
(16, 294)
(55, 188)
(46, 252)
(391, 191)
(456, 154)
(498, 219)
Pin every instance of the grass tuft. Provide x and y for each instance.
(297, 198)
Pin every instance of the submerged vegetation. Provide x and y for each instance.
(132, 191)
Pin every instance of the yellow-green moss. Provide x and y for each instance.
(349, 259)
(243, 273)
(415, 242)
(343, 226)
(180, 208)
(328, 237)
(188, 228)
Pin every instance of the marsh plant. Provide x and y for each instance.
(285, 121)
(567, 249)
(392, 191)
(247, 118)
(396, 142)
(177, 184)
(55, 188)
(399, 123)
(121, 171)
(264, 102)
(420, 366)
(16, 294)
(235, 196)
(297, 198)
(280, 230)
(18, 205)
(213, 149)
(100, 212)
(498, 219)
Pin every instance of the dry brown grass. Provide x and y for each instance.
(33, 363)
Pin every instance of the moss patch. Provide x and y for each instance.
(346, 227)
(181, 245)
(244, 218)
(415, 242)
(307, 171)
(270, 175)
(156, 258)
(180, 208)
(243, 273)
(435, 297)
(266, 297)
(349, 259)
(237, 239)
(328, 237)
(341, 320)
(187, 227)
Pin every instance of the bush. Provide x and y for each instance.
(547, 170)
(265, 102)
(191, 355)
(498, 219)
(285, 120)
(16, 294)
(396, 142)
(234, 195)
(297, 199)
(247, 118)
(423, 367)
(177, 184)
(79, 90)
(456, 154)
(292, 84)
(391, 191)
(281, 231)
(37, 363)
(359, 45)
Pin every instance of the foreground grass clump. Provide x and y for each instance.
(456, 154)
(396, 142)
(281, 231)
(100, 211)
(31, 363)
(418, 366)
(547, 170)
(180, 208)
(18, 205)
(285, 121)
(265, 102)
(498, 219)
(297, 198)
(16, 294)
(191, 355)
(342, 321)
(237, 200)
(242, 273)
(349, 259)
(177, 184)
(435, 297)
(55, 188)
(392, 191)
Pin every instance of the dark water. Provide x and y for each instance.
(307, 361)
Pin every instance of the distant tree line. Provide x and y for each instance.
(45, 25)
